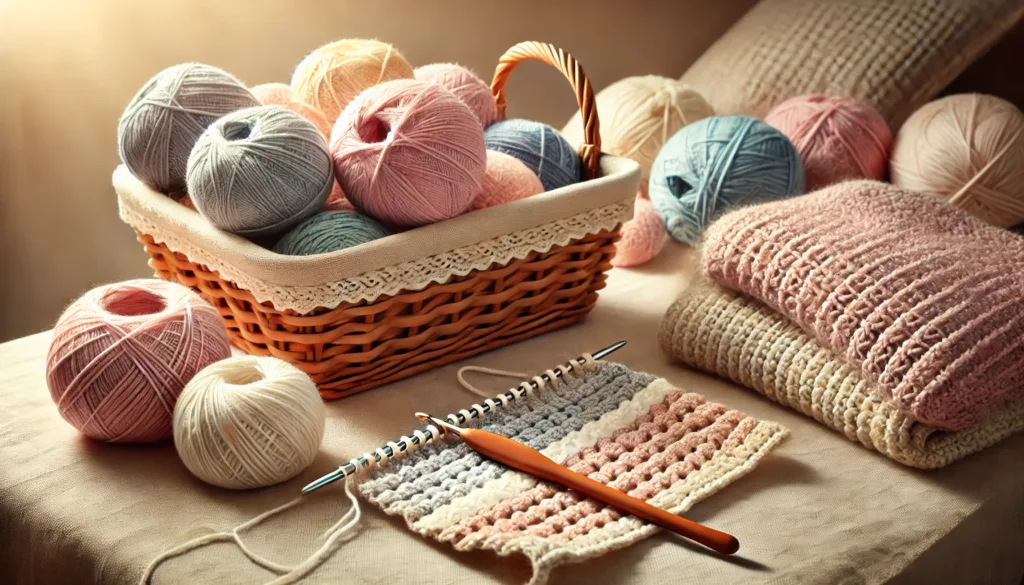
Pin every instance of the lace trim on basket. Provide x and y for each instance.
(414, 275)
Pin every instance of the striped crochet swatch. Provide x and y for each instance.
(627, 429)
(735, 338)
(920, 296)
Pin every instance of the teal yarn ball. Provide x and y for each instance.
(540, 147)
(718, 163)
(259, 171)
(330, 231)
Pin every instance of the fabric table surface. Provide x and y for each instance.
(819, 509)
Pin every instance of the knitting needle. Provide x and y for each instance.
(518, 456)
(510, 396)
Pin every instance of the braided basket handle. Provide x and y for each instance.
(590, 150)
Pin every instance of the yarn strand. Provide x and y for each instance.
(286, 575)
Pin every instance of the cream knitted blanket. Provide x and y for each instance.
(733, 337)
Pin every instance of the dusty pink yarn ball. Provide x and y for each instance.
(409, 153)
(506, 179)
(465, 85)
(838, 138)
(280, 94)
(122, 354)
(643, 237)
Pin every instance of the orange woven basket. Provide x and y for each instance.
(354, 346)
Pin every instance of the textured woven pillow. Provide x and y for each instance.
(893, 54)
(923, 298)
(630, 430)
(735, 338)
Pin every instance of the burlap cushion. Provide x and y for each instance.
(894, 55)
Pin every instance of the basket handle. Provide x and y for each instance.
(590, 150)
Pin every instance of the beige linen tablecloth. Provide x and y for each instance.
(819, 509)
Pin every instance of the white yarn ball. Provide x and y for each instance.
(248, 422)
(638, 114)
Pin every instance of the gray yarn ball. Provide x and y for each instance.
(540, 147)
(161, 124)
(260, 171)
(329, 231)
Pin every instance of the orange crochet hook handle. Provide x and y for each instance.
(523, 458)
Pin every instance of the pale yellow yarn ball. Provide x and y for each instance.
(969, 150)
(638, 114)
(333, 75)
(248, 422)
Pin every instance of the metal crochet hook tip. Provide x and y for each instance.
(441, 425)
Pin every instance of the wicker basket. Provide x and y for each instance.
(367, 334)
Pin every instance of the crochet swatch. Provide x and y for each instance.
(627, 429)
(920, 296)
(735, 338)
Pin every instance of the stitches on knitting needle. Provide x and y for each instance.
(429, 433)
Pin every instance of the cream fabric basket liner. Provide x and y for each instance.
(409, 260)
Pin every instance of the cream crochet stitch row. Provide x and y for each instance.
(738, 339)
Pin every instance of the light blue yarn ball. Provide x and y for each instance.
(540, 147)
(718, 163)
(329, 231)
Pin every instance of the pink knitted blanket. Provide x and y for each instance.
(925, 299)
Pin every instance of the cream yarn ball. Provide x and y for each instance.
(968, 149)
(247, 422)
(333, 75)
(638, 114)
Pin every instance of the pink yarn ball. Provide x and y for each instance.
(409, 153)
(465, 85)
(838, 138)
(506, 179)
(122, 354)
(643, 237)
(280, 94)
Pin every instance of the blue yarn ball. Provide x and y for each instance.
(718, 163)
(329, 231)
(540, 147)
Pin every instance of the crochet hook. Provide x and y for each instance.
(518, 456)
(431, 432)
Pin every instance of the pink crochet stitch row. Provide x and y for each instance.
(925, 299)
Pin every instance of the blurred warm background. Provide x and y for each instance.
(68, 68)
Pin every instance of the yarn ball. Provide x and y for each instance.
(280, 94)
(506, 179)
(409, 153)
(259, 171)
(540, 147)
(838, 138)
(638, 114)
(248, 422)
(969, 150)
(465, 85)
(643, 237)
(122, 353)
(333, 75)
(157, 130)
(718, 163)
(329, 231)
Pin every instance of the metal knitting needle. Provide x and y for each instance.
(350, 468)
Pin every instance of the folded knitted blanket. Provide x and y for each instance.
(738, 339)
(630, 430)
(923, 298)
